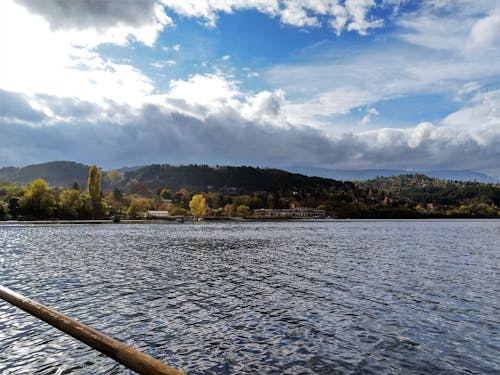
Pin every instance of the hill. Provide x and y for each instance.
(368, 174)
(56, 173)
(423, 189)
(239, 180)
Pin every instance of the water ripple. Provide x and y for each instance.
(343, 297)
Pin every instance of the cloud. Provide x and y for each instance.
(485, 33)
(85, 14)
(75, 104)
(92, 22)
(162, 64)
(368, 117)
(240, 128)
(451, 25)
(36, 59)
(350, 15)
(330, 82)
(15, 107)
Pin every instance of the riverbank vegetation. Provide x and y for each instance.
(202, 191)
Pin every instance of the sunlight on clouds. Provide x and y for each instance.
(96, 22)
(36, 59)
(210, 91)
(203, 96)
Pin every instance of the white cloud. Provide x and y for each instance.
(481, 119)
(265, 107)
(485, 33)
(253, 75)
(226, 58)
(204, 94)
(452, 25)
(162, 64)
(351, 15)
(368, 117)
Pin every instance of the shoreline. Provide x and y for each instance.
(237, 220)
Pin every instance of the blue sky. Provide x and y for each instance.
(346, 84)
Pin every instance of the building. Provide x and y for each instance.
(291, 213)
(157, 214)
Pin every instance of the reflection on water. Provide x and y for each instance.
(290, 297)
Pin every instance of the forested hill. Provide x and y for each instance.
(242, 180)
(423, 189)
(56, 173)
(236, 180)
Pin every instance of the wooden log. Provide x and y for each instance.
(120, 352)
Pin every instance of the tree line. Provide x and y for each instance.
(409, 196)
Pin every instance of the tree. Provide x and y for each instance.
(38, 202)
(13, 207)
(94, 183)
(117, 195)
(94, 189)
(166, 194)
(75, 186)
(138, 188)
(73, 205)
(138, 207)
(242, 210)
(229, 210)
(3, 211)
(114, 179)
(198, 205)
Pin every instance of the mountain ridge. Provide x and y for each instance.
(369, 174)
(65, 173)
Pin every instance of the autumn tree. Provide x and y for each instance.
(94, 190)
(198, 205)
(243, 210)
(138, 207)
(229, 210)
(73, 204)
(38, 202)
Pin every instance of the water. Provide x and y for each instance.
(381, 297)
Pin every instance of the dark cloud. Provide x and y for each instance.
(16, 106)
(155, 135)
(84, 14)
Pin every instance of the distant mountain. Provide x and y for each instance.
(368, 174)
(56, 173)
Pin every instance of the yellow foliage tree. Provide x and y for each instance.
(198, 205)
(38, 202)
(138, 207)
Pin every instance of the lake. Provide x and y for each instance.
(323, 297)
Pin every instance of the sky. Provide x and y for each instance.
(337, 84)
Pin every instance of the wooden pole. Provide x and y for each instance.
(120, 352)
